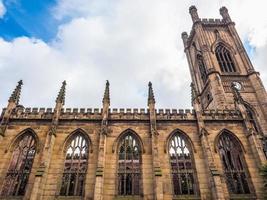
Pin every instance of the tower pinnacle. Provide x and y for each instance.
(16, 93)
(151, 98)
(106, 98)
(225, 15)
(194, 14)
(61, 94)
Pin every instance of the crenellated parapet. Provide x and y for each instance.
(121, 114)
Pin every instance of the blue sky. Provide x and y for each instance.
(31, 18)
(127, 42)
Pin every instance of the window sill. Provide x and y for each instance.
(186, 197)
(129, 197)
(242, 196)
(69, 197)
(11, 197)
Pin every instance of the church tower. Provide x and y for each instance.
(219, 65)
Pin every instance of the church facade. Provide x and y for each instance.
(214, 151)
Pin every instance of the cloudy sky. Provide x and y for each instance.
(86, 42)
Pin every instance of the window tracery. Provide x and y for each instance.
(75, 167)
(233, 164)
(129, 166)
(182, 167)
(225, 59)
(20, 167)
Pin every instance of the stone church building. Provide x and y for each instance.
(214, 151)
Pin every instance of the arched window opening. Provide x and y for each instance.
(76, 162)
(233, 164)
(202, 68)
(182, 167)
(129, 166)
(224, 59)
(20, 167)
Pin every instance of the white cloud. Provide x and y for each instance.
(2, 9)
(127, 42)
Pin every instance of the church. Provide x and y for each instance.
(212, 152)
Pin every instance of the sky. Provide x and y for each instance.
(129, 43)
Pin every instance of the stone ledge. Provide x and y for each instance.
(186, 197)
(135, 197)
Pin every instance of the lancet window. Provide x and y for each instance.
(75, 167)
(129, 166)
(202, 68)
(182, 166)
(224, 59)
(233, 163)
(20, 166)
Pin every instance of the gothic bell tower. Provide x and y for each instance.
(218, 62)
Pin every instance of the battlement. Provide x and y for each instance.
(122, 114)
(96, 113)
(212, 21)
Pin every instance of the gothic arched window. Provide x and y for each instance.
(182, 166)
(20, 166)
(129, 166)
(202, 68)
(75, 167)
(233, 162)
(224, 59)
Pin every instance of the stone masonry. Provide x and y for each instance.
(218, 108)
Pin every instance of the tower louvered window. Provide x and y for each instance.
(75, 168)
(129, 166)
(233, 164)
(224, 59)
(182, 167)
(202, 68)
(20, 167)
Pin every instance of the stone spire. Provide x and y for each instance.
(61, 94)
(151, 98)
(16, 93)
(106, 98)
